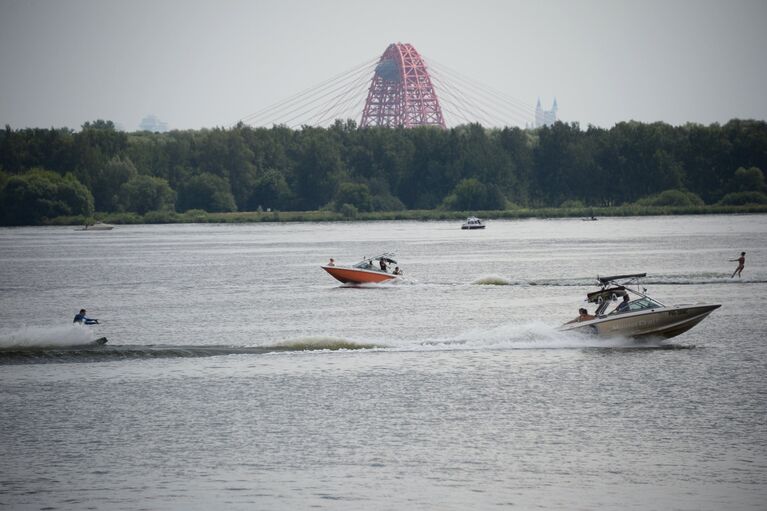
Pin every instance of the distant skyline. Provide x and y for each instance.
(201, 64)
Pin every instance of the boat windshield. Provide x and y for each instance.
(643, 303)
(374, 263)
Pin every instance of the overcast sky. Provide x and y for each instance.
(199, 63)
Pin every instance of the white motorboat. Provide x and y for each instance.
(98, 226)
(635, 315)
(473, 223)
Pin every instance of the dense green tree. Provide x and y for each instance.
(207, 192)
(29, 198)
(318, 169)
(282, 168)
(743, 198)
(94, 145)
(166, 155)
(472, 195)
(146, 193)
(556, 163)
(271, 191)
(748, 180)
(518, 145)
(356, 194)
(706, 152)
(51, 149)
(671, 198)
(106, 182)
(428, 177)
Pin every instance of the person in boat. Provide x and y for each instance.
(332, 262)
(82, 319)
(624, 305)
(382, 264)
(397, 271)
(583, 315)
(741, 264)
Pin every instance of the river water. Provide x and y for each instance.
(222, 385)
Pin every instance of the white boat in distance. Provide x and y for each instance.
(639, 317)
(473, 223)
(98, 226)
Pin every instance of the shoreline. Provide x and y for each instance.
(197, 216)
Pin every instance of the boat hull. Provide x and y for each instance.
(358, 276)
(472, 227)
(96, 227)
(663, 323)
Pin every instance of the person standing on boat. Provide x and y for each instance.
(741, 264)
(83, 319)
(382, 264)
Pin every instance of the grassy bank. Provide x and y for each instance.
(196, 216)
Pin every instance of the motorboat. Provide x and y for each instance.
(371, 270)
(629, 312)
(473, 223)
(98, 226)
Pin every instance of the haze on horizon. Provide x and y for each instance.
(199, 63)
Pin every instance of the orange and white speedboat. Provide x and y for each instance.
(371, 270)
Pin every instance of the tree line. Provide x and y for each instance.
(46, 173)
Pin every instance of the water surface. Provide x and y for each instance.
(223, 386)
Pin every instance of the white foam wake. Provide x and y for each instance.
(48, 336)
(529, 335)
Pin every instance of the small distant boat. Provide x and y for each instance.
(371, 270)
(473, 223)
(590, 219)
(641, 317)
(98, 226)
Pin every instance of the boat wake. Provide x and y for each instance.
(77, 351)
(679, 280)
(493, 280)
(322, 343)
(40, 346)
(538, 335)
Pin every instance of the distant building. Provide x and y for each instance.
(152, 123)
(545, 117)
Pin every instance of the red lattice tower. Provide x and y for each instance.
(401, 93)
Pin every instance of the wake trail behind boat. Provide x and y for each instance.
(506, 337)
(538, 335)
(107, 352)
(677, 280)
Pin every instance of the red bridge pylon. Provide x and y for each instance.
(401, 92)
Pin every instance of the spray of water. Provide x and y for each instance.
(48, 336)
(531, 335)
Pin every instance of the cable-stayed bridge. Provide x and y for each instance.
(398, 89)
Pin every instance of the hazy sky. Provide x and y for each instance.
(199, 63)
